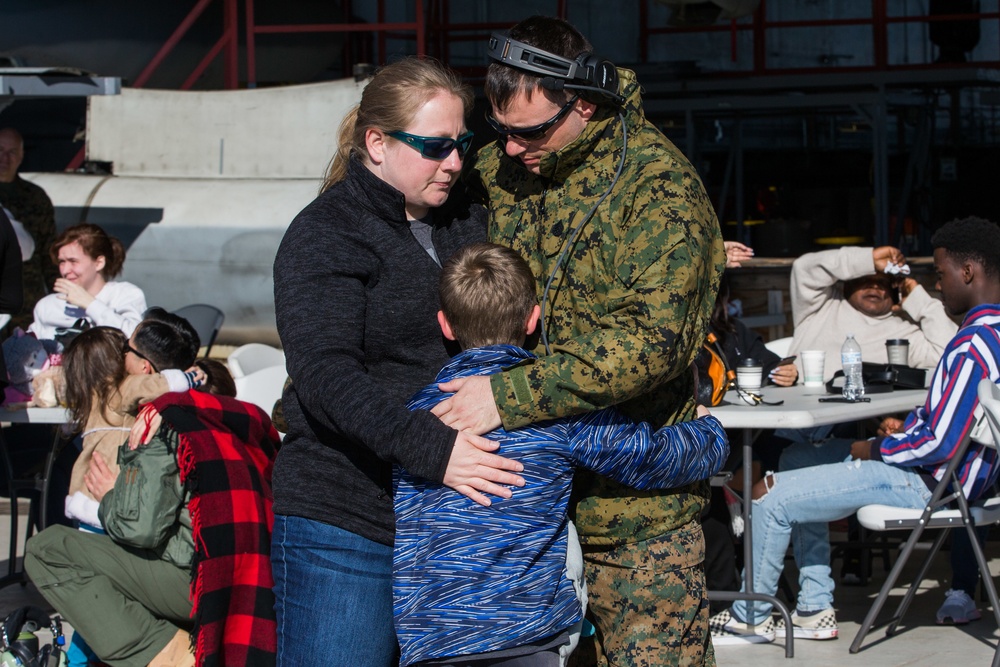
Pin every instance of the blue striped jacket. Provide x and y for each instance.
(933, 432)
(469, 579)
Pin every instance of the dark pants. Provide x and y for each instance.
(722, 570)
(964, 568)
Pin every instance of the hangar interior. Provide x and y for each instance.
(813, 123)
(809, 120)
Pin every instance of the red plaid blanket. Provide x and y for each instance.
(226, 455)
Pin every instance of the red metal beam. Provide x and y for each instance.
(251, 46)
(77, 160)
(760, 38)
(205, 62)
(382, 36)
(880, 35)
(171, 42)
(231, 22)
(333, 27)
(421, 28)
(879, 20)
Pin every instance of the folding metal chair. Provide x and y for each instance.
(947, 509)
(779, 346)
(252, 357)
(206, 320)
(262, 387)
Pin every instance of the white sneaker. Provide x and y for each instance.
(958, 609)
(726, 630)
(821, 625)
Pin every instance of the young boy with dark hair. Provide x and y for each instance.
(475, 585)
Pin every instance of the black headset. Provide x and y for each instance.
(594, 77)
(26, 651)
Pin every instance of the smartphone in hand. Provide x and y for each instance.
(787, 360)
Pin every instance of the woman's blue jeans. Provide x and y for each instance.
(333, 596)
(799, 507)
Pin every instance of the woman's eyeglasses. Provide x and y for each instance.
(128, 348)
(534, 132)
(435, 148)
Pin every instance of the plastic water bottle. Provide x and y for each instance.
(850, 361)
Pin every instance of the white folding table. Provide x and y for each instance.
(800, 408)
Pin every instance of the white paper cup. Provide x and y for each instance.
(813, 363)
(749, 378)
(898, 351)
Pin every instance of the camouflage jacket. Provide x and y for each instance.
(628, 310)
(33, 208)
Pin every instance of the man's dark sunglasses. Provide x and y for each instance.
(530, 133)
(435, 148)
(128, 348)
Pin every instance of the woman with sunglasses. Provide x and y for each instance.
(355, 284)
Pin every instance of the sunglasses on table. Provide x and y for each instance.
(534, 132)
(435, 148)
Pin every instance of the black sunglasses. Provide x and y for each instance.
(435, 148)
(128, 348)
(530, 133)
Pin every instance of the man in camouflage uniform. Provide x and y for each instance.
(33, 208)
(626, 312)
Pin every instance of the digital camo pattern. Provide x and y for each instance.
(654, 594)
(33, 208)
(628, 312)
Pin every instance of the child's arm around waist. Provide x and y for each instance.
(611, 444)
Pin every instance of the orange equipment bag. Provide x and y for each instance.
(714, 375)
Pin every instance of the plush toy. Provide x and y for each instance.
(48, 387)
(26, 357)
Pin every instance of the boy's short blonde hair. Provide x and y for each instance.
(487, 293)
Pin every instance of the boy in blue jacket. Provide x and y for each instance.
(475, 585)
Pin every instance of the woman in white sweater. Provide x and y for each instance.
(88, 259)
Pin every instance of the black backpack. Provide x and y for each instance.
(20, 644)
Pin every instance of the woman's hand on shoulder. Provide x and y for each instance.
(474, 471)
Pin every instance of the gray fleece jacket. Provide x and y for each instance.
(356, 298)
